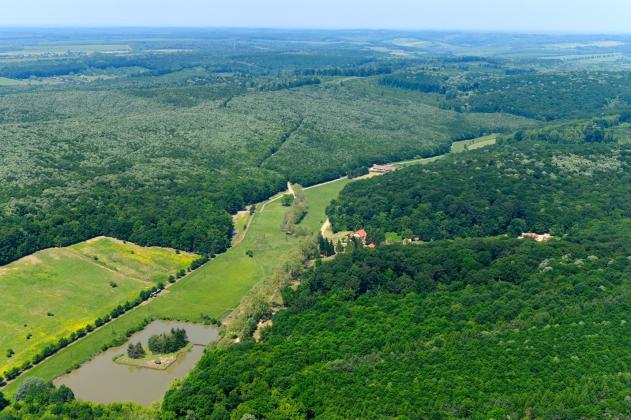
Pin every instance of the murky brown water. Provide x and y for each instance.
(102, 380)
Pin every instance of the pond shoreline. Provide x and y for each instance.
(104, 379)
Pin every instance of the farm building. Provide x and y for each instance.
(382, 168)
(361, 234)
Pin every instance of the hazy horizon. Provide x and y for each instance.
(536, 17)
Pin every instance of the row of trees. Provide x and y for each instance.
(290, 84)
(296, 211)
(326, 246)
(420, 82)
(358, 71)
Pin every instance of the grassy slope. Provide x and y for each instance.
(72, 285)
(213, 289)
(461, 146)
(456, 147)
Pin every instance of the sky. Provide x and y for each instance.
(570, 16)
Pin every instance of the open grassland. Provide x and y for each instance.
(54, 292)
(152, 263)
(461, 146)
(214, 289)
(456, 147)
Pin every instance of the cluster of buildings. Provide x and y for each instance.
(361, 235)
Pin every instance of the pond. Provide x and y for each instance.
(104, 381)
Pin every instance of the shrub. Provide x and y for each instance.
(33, 388)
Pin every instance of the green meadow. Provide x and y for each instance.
(456, 147)
(214, 289)
(463, 145)
(54, 292)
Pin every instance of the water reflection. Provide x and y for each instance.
(101, 380)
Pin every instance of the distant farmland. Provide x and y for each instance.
(52, 293)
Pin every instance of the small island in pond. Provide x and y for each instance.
(162, 350)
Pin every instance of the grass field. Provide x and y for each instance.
(393, 237)
(456, 147)
(214, 289)
(52, 293)
(461, 146)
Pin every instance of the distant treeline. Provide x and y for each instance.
(348, 71)
(420, 83)
(191, 219)
(290, 84)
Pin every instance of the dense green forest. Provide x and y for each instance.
(157, 139)
(518, 91)
(518, 187)
(551, 96)
(159, 145)
(466, 328)
(157, 136)
(36, 399)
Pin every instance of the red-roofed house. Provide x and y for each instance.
(361, 234)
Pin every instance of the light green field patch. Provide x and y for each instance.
(461, 146)
(421, 161)
(393, 237)
(153, 263)
(54, 292)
